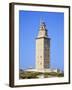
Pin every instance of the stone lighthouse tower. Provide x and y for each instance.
(42, 48)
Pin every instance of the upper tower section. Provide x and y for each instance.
(42, 30)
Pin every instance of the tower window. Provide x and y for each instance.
(40, 56)
(40, 63)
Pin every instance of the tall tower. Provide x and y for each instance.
(42, 48)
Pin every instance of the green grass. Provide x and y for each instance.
(28, 74)
(32, 74)
(54, 74)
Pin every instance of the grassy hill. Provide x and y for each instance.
(33, 74)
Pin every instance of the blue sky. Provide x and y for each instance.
(29, 22)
